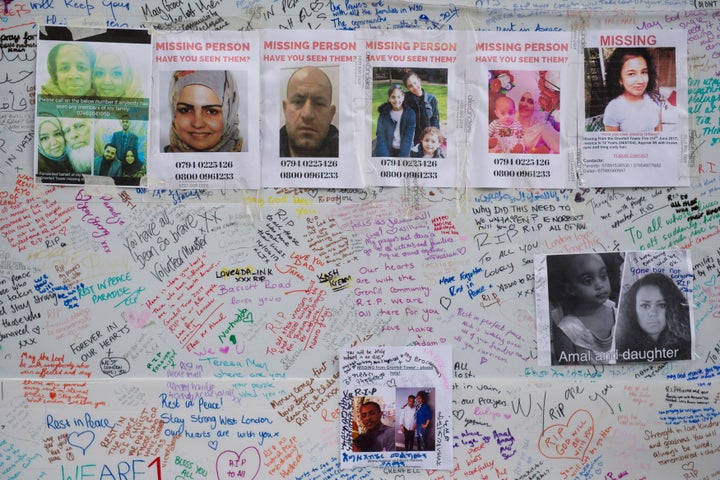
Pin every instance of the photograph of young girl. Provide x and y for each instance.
(630, 89)
(583, 291)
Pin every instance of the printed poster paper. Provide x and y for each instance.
(309, 124)
(395, 406)
(92, 105)
(206, 110)
(411, 90)
(614, 307)
(635, 130)
(521, 88)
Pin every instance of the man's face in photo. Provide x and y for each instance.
(370, 416)
(308, 111)
(109, 153)
(77, 132)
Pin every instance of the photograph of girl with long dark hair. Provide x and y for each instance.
(654, 321)
(630, 89)
(631, 82)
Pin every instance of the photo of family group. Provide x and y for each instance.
(615, 308)
(410, 118)
(630, 89)
(401, 423)
(92, 108)
(524, 111)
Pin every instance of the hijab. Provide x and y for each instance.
(131, 169)
(537, 122)
(133, 86)
(55, 122)
(223, 84)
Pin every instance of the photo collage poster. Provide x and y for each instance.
(614, 307)
(412, 94)
(635, 128)
(92, 106)
(309, 121)
(523, 87)
(396, 407)
(490, 109)
(206, 99)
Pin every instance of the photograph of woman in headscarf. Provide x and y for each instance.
(536, 98)
(115, 77)
(204, 110)
(53, 160)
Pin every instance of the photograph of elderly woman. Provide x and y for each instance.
(93, 63)
(90, 79)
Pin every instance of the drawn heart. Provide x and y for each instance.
(570, 440)
(136, 320)
(232, 465)
(114, 366)
(312, 192)
(224, 349)
(712, 282)
(391, 382)
(399, 477)
(213, 444)
(462, 250)
(445, 302)
(81, 440)
(459, 414)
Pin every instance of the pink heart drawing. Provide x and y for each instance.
(233, 465)
(570, 440)
(81, 440)
(225, 349)
(136, 320)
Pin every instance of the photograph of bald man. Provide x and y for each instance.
(309, 111)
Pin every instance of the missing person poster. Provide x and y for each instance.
(205, 110)
(607, 308)
(521, 87)
(92, 105)
(635, 130)
(396, 407)
(309, 124)
(411, 92)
